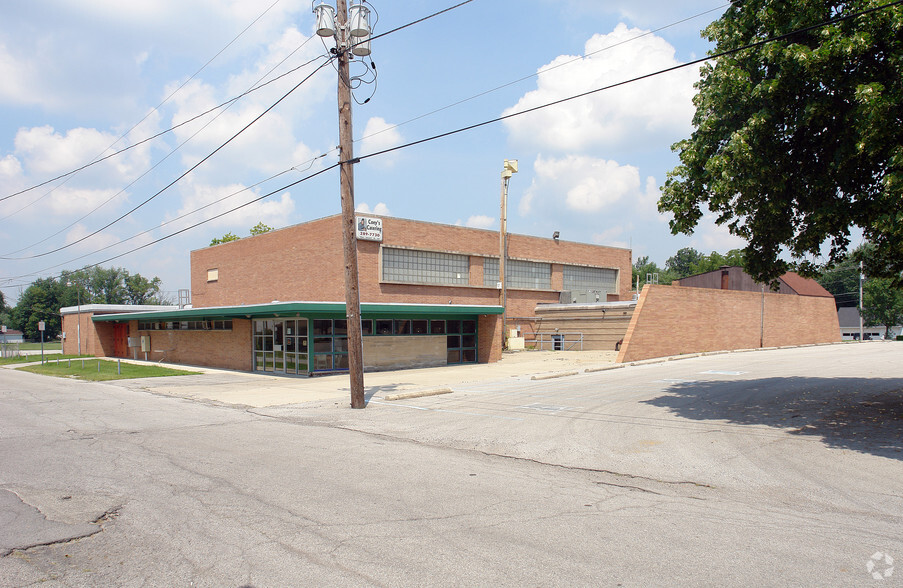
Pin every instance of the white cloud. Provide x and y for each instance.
(661, 105)
(92, 243)
(10, 168)
(480, 221)
(379, 135)
(46, 152)
(709, 236)
(74, 202)
(271, 211)
(581, 183)
(380, 209)
(613, 237)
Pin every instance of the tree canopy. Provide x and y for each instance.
(258, 229)
(44, 298)
(799, 140)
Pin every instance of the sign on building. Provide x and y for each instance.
(369, 229)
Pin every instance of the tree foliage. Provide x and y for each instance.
(39, 302)
(642, 268)
(258, 229)
(882, 304)
(44, 298)
(799, 140)
(683, 262)
(230, 236)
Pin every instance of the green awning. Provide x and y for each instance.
(306, 309)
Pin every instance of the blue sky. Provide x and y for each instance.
(79, 75)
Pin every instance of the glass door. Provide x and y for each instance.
(280, 346)
(264, 357)
(296, 346)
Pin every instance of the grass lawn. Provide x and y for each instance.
(48, 346)
(33, 358)
(99, 370)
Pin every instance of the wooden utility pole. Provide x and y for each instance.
(349, 240)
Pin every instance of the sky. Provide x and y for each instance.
(82, 80)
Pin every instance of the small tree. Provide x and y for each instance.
(883, 304)
(260, 229)
(225, 239)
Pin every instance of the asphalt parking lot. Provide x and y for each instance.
(761, 468)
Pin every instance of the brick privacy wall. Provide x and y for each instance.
(221, 349)
(305, 262)
(673, 320)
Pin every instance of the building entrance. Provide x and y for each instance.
(280, 346)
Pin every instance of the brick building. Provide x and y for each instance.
(429, 296)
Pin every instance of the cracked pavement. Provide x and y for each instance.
(763, 468)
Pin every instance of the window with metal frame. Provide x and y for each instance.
(425, 267)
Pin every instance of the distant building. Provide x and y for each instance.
(849, 326)
(12, 336)
(734, 278)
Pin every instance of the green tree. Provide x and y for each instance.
(800, 139)
(140, 290)
(882, 304)
(260, 229)
(39, 302)
(842, 280)
(683, 263)
(714, 260)
(224, 239)
(642, 267)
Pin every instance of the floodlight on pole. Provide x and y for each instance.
(508, 169)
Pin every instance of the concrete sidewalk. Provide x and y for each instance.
(260, 390)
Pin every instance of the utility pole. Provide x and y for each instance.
(861, 278)
(509, 169)
(349, 240)
(344, 41)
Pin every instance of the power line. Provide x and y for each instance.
(310, 163)
(636, 79)
(185, 173)
(153, 110)
(542, 71)
(173, 151)
(512, 115)
(188, 228)
(188, 171)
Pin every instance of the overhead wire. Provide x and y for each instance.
(229, 104)
(210, 155)
(185, 215)
(542, 71)
(699, 61)
(527, 111)
(185, 173)
(153, 110)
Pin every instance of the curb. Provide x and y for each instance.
(417, 394)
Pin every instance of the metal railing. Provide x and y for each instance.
(9, 350)
(557, 341)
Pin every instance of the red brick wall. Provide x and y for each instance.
(93, 341)
(672, 320)
(222, 349)
(305, 262)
